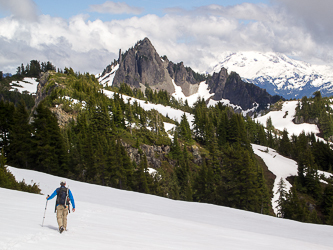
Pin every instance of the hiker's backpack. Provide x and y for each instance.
(62, 196)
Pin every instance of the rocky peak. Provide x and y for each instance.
(142, 65)
(217, 83)
(231, 87)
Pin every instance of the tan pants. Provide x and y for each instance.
(62, 213)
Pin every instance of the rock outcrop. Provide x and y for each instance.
(142, 65)
(183, 77)
(231, 87)
(157, 154)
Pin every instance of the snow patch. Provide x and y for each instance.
(107, 79)
(283, 119)
(203, 93)
(28, 84)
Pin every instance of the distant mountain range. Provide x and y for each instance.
(279, 74)
(141, 67)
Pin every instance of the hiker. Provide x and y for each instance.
(62, 204)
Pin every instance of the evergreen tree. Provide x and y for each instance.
(48, 151)
(295, 208)
(222, 126)
(285, 145)
(184, 129)
(329, 221)
(234, 129)
(175, 148)
(20, 138)
(6, 122)
(327, 199)
(282, 198)
(141, 176)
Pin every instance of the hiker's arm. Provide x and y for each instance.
(72, 199)
(52, 195)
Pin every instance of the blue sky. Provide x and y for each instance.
(87, 35)
(67, 9)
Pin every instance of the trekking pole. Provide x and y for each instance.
(44, 213)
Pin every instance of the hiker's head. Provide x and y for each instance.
(63, 183)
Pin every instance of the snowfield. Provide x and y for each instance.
(108, 218)
(280, 122)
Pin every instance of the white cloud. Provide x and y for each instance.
(22, 9)
(115, 8)
(196, 37)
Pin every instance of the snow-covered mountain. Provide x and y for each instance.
(108, 218)
(279, 74)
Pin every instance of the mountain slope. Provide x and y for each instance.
(107, 217)
(278, 74)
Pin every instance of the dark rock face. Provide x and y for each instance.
(183, 77)
(142, 64)
(240, 93)
(217, 83)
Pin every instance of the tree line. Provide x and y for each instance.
(90, 147)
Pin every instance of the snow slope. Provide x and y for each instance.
(108, 218)
(203, 92)
(28, 84)
(281, 166)
(280, 122)
(278, 73)
(107, 79)
(175, 114)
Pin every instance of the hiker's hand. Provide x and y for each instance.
(73, 210)
(47, 197)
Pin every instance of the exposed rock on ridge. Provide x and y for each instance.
(231, 87)
(143, 65)
(184, 78)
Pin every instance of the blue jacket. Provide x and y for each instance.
(69, 194)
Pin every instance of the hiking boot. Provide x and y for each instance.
(61, 229)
